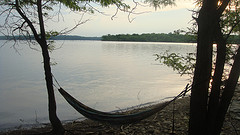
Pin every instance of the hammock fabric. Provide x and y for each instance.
(111, 118)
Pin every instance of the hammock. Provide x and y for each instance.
(112, 118)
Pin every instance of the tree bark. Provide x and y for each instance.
(199, 95)
(228, 93)
(207, 113)
(216, 81)
(57, 127)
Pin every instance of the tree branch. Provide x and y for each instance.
(40, 18)
(223, 7)
(228, 91)
(80, 22)
(129, 12)
(27, 20)
(235, 25)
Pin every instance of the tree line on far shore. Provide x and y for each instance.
(161, 37)
(149, 37)
(59, 37)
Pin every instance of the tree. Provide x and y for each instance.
(208, 104)
(26, 19)
(207, 112)
(211, 94)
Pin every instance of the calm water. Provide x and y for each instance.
(104, 75)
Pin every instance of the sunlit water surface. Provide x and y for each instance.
(103, 75)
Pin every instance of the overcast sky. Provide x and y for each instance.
(163, 20)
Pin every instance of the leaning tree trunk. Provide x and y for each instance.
(56, 123)
(57, 127)
(228, 93)
(41, 39)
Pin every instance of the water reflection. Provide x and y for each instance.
(103, 75)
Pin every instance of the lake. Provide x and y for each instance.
(103, 75)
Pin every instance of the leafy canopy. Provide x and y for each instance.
(75, 5)
(160, 3)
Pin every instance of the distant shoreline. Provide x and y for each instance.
(148, 37)
(60, 37)
(161, 37)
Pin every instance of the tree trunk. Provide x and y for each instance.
(202, 74)
(41, 39)
(57, 127)
(216, 81)
(228, 93)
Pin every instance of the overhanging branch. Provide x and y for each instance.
(223, 7)
(130, 12)
(27, 20)
(235, 25)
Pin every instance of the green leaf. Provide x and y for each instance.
(160, 3)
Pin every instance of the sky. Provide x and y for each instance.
(149, 20)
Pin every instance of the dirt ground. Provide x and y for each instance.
(158, 124)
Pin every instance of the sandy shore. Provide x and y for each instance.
(158, 124)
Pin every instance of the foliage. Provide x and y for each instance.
(230, 23)
(160, 3)
(182, 64)
(81, 5)
(27, 19)
(185, 64)
(14, 24)
(171, 37)
(176, 36)
(216, 71)
(231, 18)
(210, 96)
